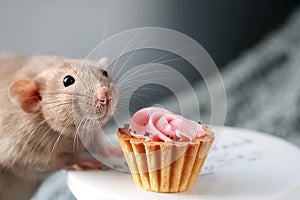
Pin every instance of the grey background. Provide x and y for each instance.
(72, 28)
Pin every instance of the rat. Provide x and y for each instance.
(38, 127)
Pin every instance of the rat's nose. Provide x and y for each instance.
(103, 97)
(105, 101)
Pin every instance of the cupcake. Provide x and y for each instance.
(164, 151)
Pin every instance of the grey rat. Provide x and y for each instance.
(38, 131)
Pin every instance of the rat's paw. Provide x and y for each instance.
(87, 164)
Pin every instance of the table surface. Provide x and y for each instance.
(244, 164)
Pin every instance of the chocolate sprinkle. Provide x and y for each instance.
(134, 132)
(177, 138)
(147, 134)
(199, 123)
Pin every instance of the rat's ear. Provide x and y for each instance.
(103, 62)
(25, 94)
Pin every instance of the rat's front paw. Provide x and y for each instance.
(86, 164)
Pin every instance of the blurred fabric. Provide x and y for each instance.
(263, 93)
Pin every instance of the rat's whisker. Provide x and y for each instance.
(23, 127)
(40, 141)
(73, 69)
(124, 107)
(123, 50)
(161, 62)
(57, 141)
(128, 80)
(25, 124)
(142, 82)
(171, 53)
(121, 107)
(175, 59)
(130, 107)
(134, 52)
(153, 64)
(60, 104)
(134, 76)
(140, 96)
(137, 99)
(145, 92)
(52, 150)
(69, 93)
(75, 145)
(59, 101)
(91, 77)
(31, 133)
(126, 89)
(133, 95)
(33, 129)
(131, 76)
(81, 119)
(73, 99)
(81, 129)
(131, 83)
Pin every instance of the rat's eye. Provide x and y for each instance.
(104, 73)
(68, 80)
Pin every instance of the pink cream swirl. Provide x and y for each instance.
(158, 124)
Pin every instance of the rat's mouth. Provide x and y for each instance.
(104, 104)
(102, 115)
(102, 111)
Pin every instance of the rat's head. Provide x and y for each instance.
(67, 93)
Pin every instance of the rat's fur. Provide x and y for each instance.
(37, 137)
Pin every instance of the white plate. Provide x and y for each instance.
(243, 165)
